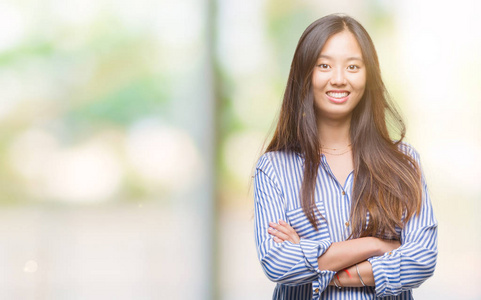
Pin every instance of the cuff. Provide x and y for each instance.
(312, 250)
(323, 279)
(385, 270)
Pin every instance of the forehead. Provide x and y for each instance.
(341, 45)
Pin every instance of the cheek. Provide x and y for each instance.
(359, 83)
(318, 80)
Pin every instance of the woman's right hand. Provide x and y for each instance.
(282, 232)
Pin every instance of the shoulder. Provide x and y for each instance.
(409, 150)
(279, 163)
(276, 159)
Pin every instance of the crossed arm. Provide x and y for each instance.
(342, 256)
(390, 267)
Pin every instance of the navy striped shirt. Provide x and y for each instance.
(277, 182)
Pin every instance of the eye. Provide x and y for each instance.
(353, 67)
(323, 66)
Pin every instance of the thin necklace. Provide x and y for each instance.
(337, 154)
(335, 149)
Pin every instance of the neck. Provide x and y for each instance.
(334, 133)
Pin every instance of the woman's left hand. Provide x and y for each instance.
(283, 232)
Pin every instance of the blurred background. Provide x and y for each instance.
(129, 131)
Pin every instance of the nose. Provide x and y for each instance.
(338, 77)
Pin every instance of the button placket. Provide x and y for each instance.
(347, 223)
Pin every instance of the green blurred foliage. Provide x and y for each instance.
(93, 78)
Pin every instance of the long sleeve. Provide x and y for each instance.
(410, 265)
(285, 263)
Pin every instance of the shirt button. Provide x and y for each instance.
(390, 253)
(343, 192)
(347, 224)
(316, 290)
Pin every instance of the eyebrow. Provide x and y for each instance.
(349, 58)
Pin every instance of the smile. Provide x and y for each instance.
(338, 95)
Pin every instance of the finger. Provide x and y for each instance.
(285, 237)
(289, 233)
(279, 234)
(277, 240)
(278, 228)
(273, 233)
(285, 228)
(288, 230)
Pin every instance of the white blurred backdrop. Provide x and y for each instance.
(129, 131)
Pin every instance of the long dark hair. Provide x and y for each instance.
(387, 182)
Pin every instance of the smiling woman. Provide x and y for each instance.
(341, 210)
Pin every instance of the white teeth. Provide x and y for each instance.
(337, 95)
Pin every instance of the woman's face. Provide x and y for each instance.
(339, 77)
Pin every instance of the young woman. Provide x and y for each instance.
(341, 210)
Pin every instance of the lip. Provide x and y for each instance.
(338, 100)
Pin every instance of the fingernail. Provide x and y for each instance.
(282, 222)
